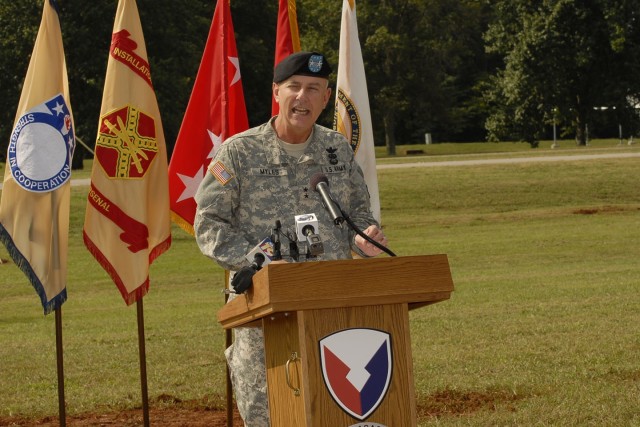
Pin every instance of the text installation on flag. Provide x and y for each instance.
(352, 114)
(216, 111)
(127, 222)
(287, 38)
(34, 208)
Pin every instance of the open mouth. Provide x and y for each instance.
(299, 110)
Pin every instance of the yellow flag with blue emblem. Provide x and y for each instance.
(34, 206)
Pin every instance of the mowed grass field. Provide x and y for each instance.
(543, 327)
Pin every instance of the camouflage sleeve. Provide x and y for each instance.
(360, 205)
(216, 229)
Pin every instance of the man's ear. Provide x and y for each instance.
(327, 96)
(275, 89)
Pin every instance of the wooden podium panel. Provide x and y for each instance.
(398, 407)
(311, 404)
(301, 304)
(281, 340)
(416, 280)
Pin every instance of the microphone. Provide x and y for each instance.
(260, 255)
(277, 252)
(263, 251)
(306, 226)
(320, 183)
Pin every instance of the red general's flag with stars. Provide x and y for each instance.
(34, 208)
(127, 224)
(216, 111)
(287, 38)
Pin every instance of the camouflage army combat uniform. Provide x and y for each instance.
(251, 183)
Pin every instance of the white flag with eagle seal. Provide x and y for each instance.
(352, 114)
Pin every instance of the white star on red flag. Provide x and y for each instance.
(216, 140)
(191, 184)
(236, 63)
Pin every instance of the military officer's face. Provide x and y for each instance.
(301, 100)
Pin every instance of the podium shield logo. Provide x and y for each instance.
(356, 368)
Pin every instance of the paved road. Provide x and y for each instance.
(474, 162)
(510, 160)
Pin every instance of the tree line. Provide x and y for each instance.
(460, 70)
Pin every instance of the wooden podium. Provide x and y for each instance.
(312, 313)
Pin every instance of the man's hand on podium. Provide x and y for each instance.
(243, 279)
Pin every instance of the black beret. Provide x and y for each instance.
(302, 63)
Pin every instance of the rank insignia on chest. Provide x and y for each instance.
(333, 157)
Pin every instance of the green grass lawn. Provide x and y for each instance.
(543, 327)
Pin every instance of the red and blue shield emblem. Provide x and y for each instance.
(356, 368)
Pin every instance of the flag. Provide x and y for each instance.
(352, 114)
(127, 223)
(34, 208)
(287, 38)
(216, 111)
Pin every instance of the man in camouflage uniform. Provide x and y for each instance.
(263, 175)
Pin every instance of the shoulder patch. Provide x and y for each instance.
(220, 172)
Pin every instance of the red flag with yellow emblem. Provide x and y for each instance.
(127, 223)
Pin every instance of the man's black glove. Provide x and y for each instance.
(243, 279)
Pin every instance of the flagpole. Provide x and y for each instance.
(227, 339)
(143, 363)
(61, 406)
(55, 261)
(227, 344)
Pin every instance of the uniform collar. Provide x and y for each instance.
(275, 154)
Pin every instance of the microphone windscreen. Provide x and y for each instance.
(317, 179)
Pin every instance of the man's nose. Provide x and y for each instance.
(302, 93)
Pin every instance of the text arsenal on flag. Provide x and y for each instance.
(216, 111)
(127, 223)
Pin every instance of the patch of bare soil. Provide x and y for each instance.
(171, 413)
(455, 402)
(603, 209)
(195, 414)
(166, 417)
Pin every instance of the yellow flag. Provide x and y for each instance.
(127, 222)
(34, 208)
(352, 114)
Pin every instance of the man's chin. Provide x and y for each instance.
(302, 119)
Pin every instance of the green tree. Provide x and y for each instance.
(560, 57)
(19, 21)
(424, 61)
(255, 27)
(175, 33)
